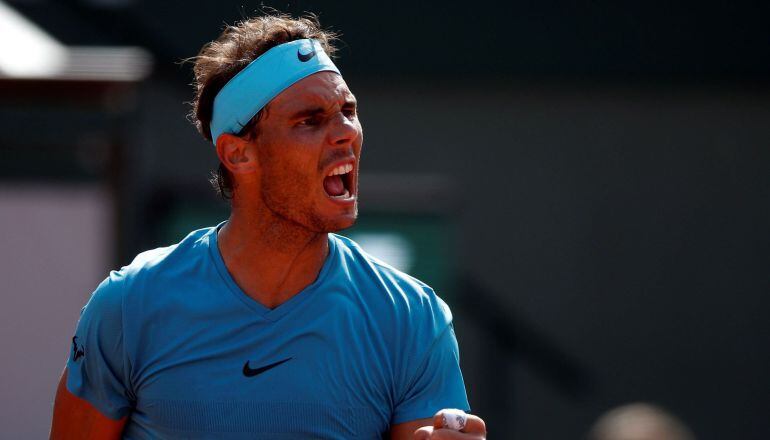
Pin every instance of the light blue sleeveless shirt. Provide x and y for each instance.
(173, 342)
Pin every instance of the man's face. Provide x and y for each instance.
(308, 147)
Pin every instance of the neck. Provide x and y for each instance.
(271, 259)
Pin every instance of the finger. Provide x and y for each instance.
(475, 425)
(449, 434)
(459, 421)
(423, 433)
(450, 418)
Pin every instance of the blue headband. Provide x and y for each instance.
(262, 80)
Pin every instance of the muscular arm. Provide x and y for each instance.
(75, 418)
(475, 429)
(405, 431)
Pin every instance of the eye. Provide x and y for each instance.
(310, 121)
(349, 113)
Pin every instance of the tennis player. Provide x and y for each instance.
(268, 325)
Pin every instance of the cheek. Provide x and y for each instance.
(290, 167)
(292, 177)
(285, 178)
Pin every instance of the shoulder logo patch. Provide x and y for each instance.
(77, 350)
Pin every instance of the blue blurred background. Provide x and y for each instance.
(586, 184)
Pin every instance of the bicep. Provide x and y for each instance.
(436, 383)
(405, 431)
(75, 418)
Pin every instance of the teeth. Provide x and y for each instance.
(345, 195)
(342, 169)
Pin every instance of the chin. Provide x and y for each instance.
(345, 225)
(339, 223)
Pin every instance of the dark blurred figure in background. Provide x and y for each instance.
(639, 421)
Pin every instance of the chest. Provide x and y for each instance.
(326, 373)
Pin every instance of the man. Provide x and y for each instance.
(639, 421)
(268, 325)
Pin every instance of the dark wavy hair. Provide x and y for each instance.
(237, 46)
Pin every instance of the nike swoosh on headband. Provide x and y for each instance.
(262, 80)
(305, 57)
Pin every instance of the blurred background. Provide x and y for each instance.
(587, 185)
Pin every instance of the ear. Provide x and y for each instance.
(236, 154)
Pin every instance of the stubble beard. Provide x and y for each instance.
(296, 210)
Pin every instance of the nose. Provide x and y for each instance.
(344, 130)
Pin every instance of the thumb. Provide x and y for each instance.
(423, 433)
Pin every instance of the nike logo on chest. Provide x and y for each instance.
(251, 372)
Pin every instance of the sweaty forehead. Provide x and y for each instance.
(321, 89)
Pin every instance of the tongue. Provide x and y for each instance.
(334, 186)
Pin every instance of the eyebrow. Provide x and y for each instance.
(350, 103)
(318, 110)
(307, 112)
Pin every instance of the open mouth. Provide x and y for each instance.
(338, 184)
